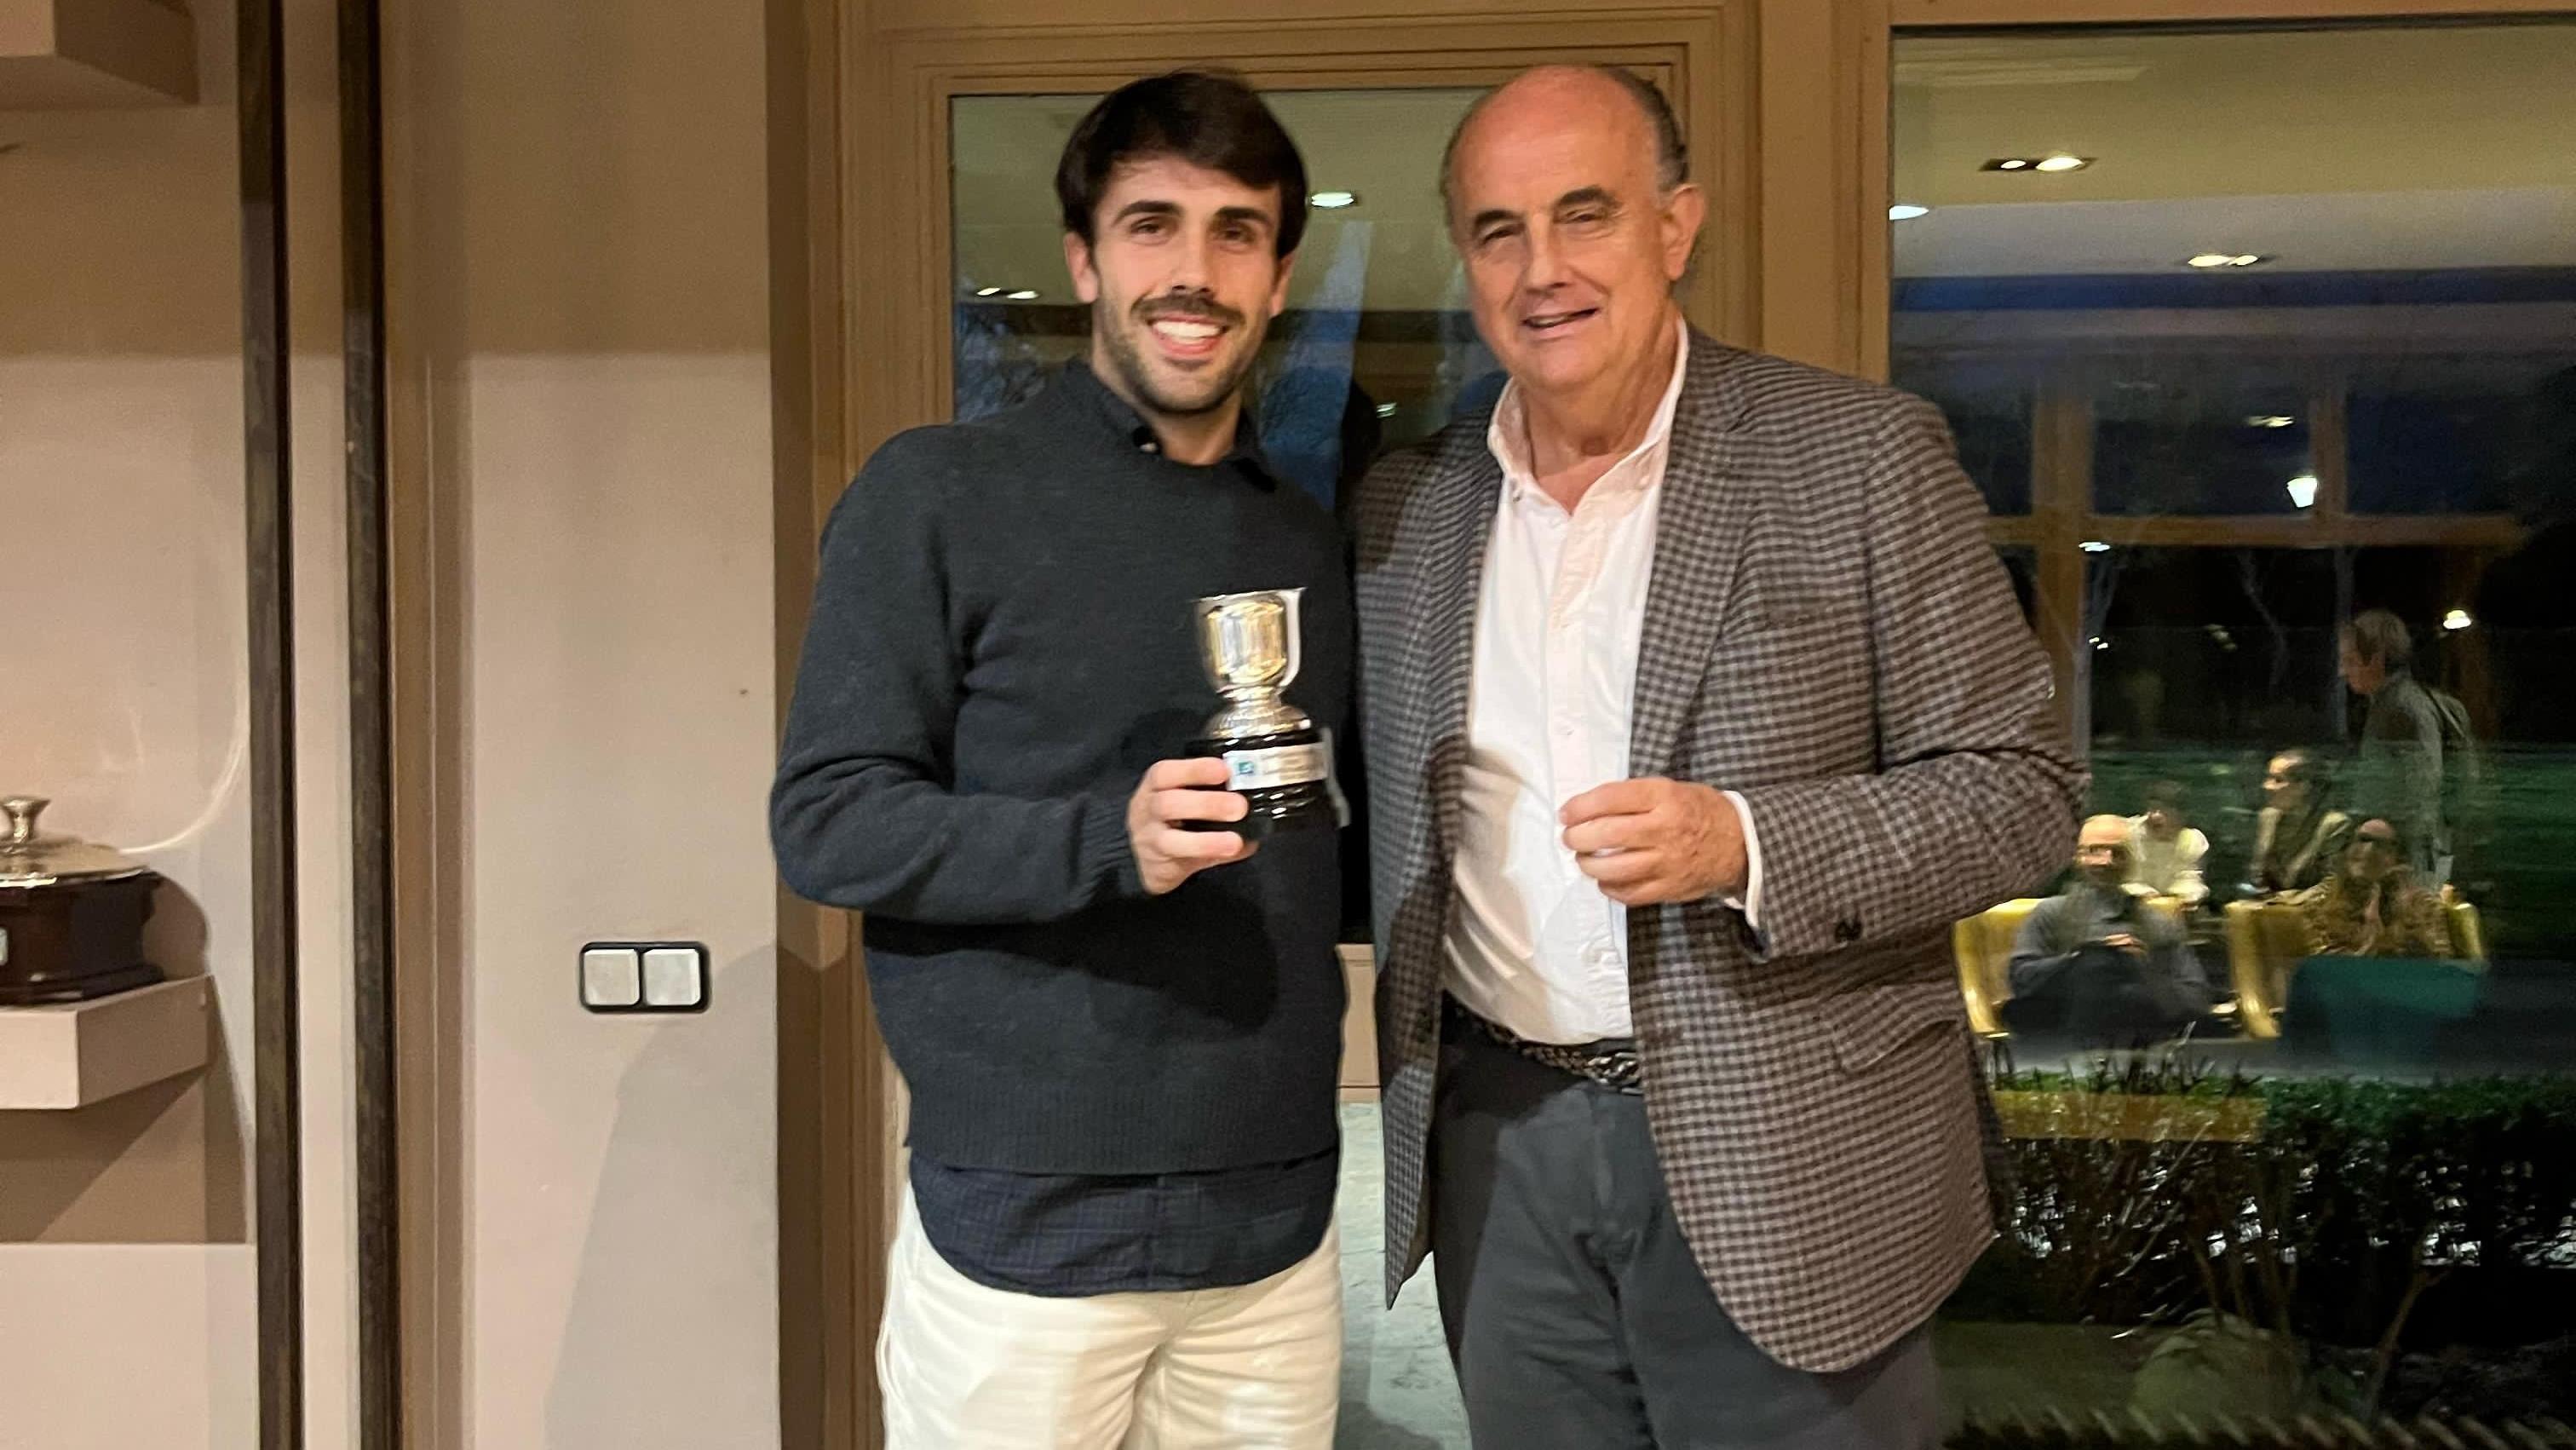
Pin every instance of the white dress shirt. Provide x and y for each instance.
(1536, 947)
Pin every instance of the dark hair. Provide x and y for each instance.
(1202, 117)
(2382, 637)
(2165, 793)
(2306, 766)
(1672, 155)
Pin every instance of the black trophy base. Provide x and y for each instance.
(1302, 802)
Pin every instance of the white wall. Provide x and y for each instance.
(579, 190)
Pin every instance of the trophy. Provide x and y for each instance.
(1277, 760)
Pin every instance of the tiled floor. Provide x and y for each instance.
(1397, 1392)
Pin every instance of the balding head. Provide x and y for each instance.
(2102, 850)
(1582, 85)
(1570, 204)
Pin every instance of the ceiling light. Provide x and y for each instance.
(2007, 163)
(1906, 211)
(988, 291)
(1386, 410)
(2062, 162)
(2271, 420)
(2095, 546)
(2457, 620)
(1023, 295)
(2303, 490)
(2209, 260)
(1335, 200)
(2100, 643)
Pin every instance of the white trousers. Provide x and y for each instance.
(966, 1367)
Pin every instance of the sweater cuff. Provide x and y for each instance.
(1108, 857)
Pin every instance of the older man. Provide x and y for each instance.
(1697, 709)
(2103, 961)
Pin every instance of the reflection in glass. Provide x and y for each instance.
(2375, 422)
(1990, 413)
(2197, 439)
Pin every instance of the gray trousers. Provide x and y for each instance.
(1576, 1316)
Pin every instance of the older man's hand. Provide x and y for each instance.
(1654, 840)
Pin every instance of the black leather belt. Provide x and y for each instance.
(1612, 1062)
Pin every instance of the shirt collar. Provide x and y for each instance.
(1507, 435)
(1099, 403)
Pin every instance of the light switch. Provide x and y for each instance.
(612, 978)
(675, 978)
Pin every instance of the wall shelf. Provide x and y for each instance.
(71, 1054)
(58, 55)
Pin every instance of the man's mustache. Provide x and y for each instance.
(1195, 309)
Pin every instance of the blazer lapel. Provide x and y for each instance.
(1700, 527)
(1443, 649)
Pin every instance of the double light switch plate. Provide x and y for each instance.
(625, 976)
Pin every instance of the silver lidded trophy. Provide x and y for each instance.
(1276, 758)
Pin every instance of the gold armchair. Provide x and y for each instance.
(2266, 941)
(1983, 945)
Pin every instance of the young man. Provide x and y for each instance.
(1121, 1034)
(1699, 710)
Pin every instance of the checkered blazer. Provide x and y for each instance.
(1828, 633)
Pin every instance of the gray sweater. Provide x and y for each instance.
(1001, 643)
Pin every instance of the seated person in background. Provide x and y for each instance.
(2165, 854)
(2372, 906)
(2100, 961)
(2297, 840)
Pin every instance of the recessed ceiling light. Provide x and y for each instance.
(2303, 491)
(988, 291)
(1023, 295)
(1906, 211)
(2211, 261)
(1335, 200)
(2095, 546)
(2271, 420)
(2062, 162)
(2457, 620)
(2008, 163)
(1386, 410)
